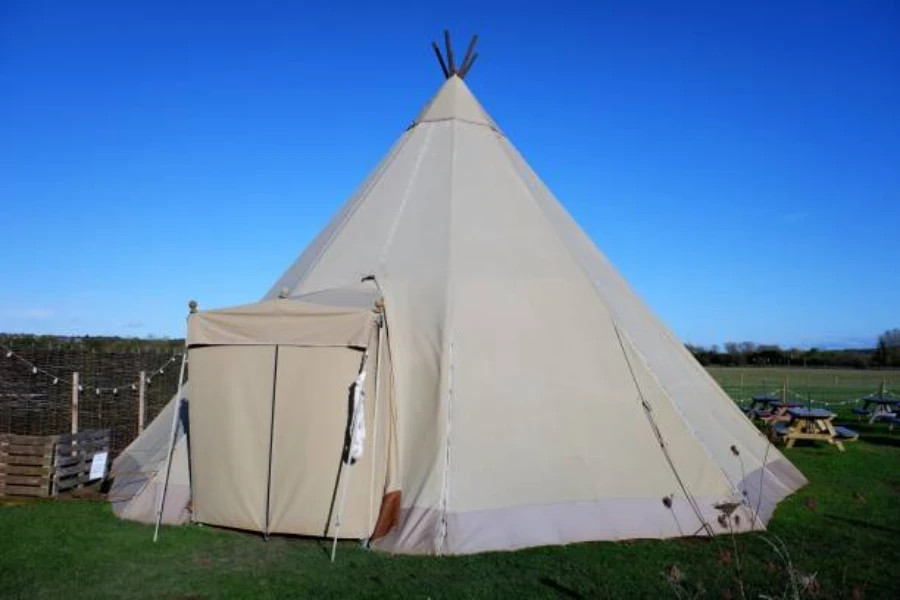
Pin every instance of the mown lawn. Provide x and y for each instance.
(842, 533)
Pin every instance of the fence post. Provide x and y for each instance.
(142, 386)
(75, 402)
(784, 390)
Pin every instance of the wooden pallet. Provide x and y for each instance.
(74, 455)
(44, 466)
(26, 465)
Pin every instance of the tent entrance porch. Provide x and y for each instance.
(269, 432)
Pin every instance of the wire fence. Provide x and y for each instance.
(816, 387)
(37, 389)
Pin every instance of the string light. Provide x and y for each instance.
(54, 379)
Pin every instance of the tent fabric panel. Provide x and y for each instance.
(138, 472)
(148, 489)
(312, 413)
(231, 417)
(149, 449)
(281, 321)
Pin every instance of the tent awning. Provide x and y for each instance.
(294, 321)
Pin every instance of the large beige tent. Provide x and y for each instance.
(518, 392)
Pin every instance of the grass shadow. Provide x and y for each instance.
(883, 440)
(561, 589)
(863, 524)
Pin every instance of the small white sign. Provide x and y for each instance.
(98, 466)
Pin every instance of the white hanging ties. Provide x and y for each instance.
(357, 444)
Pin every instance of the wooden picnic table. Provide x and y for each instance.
(770, 408)
(884, 408)
(811, 424)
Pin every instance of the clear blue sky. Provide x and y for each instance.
(739, 162)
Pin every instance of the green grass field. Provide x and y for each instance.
(842, 533)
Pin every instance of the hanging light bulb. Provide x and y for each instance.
(80, 388)
(55, 381)
(9, 354)
(34, 370)
(115, 391)
(133, 386)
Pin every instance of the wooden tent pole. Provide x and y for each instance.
(447, 43)
(468, 67)
(177, 413)
(375, 427)
(343, 482)
(437, 52)
(464, 67)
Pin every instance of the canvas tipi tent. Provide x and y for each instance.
(524, 394)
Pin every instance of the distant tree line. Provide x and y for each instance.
(735, 354)
(88, 343)
(731, 354)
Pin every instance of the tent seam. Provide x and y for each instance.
(490, 126)
(382, 254)
(448, 341)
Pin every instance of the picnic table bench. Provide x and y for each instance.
(770, 408)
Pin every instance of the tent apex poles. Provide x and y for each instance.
(447, 59)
